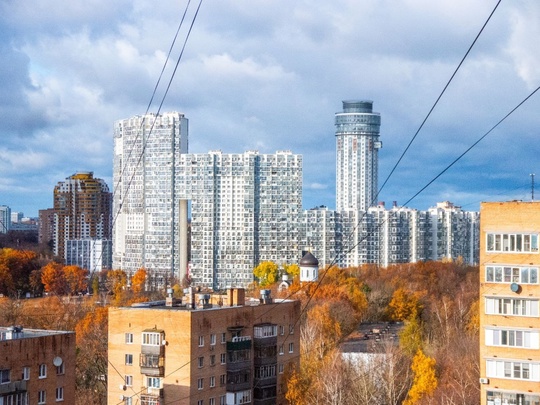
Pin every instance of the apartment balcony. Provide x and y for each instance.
(152, 364)
(13, 387)
(153, 397)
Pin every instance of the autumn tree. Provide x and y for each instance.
(266, 273)
(116, 284)
(138, 281)
(53, 278)
(15, 269)
(424, 381)
(293, 270)
(91, 334)
(404, 305)
(75, 279)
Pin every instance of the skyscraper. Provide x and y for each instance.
(82, 211)
(146, 204)
(357, 145)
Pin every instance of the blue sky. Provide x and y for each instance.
(270, 75)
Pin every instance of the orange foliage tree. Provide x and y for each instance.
(75, 279)
(15, 269)
(53, 278)
(138, 281)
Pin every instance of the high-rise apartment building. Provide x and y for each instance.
(82, 211)
(203, 350)
(245, 209)
(147, 206)
(509, 303)
(5, 219)
(357, 162)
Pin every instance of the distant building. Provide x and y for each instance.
(148, 210)
(509, 303)
(245, 209)
(16, 216)
(200, 352)
(36, 366)
(82, 211)
(5, 219)
(46, 226)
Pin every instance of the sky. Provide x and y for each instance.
(269, 75)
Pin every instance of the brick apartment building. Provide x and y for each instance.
(36, 366)
(207, 350)
(509, 303)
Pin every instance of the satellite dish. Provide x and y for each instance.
(57, 361)
(514, 287)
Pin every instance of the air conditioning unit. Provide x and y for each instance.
(484, 380)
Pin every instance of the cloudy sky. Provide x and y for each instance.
(270, 75)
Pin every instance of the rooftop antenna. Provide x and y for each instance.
(532, 186)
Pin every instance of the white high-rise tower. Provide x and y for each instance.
(149, 216)
(357, 145)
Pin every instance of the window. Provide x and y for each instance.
(129, 359)
(200, 383)
(128, 401)
(282, 330)
(129, 380)
(511, 243)
(5, 376)
(512, 338)
(223, 358)
(291, 347)
(212, 381)
(265, 371)
(280, 368)
(60, 394)
(151, 338)
(201, 341)
(129, 338)
(281, 349)
(515, 370)
(26, 373)
(222, 379)
(212, 401)
(291, 329)
(511, 306)
(201, 362)
(212, 359)
(61, 369)
(223, 400)
(212, 339)
(262, 331)
(42, 397)
(153, 382)
(200, 402)
(514, 274)
(223, 338)
(42, 371)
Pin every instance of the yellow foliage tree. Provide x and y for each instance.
(138, 281)
(404, 305)
(116, 283)
(292, 270)
(296, 389)
(424, 380)
(266, 273)
(75, 279)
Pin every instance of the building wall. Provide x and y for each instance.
(82, 210)
(147, 151)
(5, 219)
(37, 348)
(189, 348)
(510, 218)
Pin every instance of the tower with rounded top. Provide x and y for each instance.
(357, 145)
(309, 268)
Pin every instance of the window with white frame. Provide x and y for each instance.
(201, 341)
(212, 401)
(512, 274)
(5, 376)
(201, 362)
(128, 338)
(222, 378)
(60, 393)
(26, 373)
(512, 338)
(129, 359)
(512, 242)
(61, 369)
(200, 402)
(151, 339)
(213, 339)
(282, 330)
(200, 383)
(511, 306)
(42, 397)
(223, 400)
(281, 351)
(262, 331)
(223, 338)
(129, 380)
(265, 371)
(212, 381)
(280, 368)
(223, 358)
(128, 401)
(42, 371)
(291, 347)
(291, 329)
(513, 369)
(153, 382)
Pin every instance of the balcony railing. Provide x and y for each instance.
(152, 364)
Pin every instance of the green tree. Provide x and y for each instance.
(266, 273)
